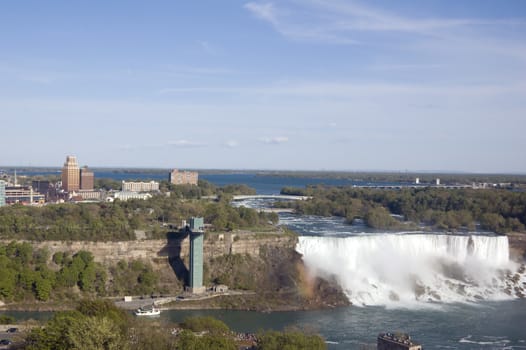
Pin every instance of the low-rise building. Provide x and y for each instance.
(151, 186)
(125, 195)
(42, 186)
(93, 195)
(177, 177)
(220, 288)
(23, 195)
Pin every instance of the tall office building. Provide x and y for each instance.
(2, 193)
(196, 256)
(71, 175)
(86, 179)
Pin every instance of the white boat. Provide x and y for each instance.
(151, 311)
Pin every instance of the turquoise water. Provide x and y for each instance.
(498, 325)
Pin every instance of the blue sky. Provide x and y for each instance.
(314, 84)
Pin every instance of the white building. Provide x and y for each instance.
(151, 186)
(125, 195)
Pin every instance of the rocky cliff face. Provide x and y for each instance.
(264, 263)
(517, 246)
(175, 245)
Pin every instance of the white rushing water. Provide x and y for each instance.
(404, 269)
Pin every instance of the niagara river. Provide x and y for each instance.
(455, 291)
(448, 291)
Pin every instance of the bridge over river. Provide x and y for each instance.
(271, 196)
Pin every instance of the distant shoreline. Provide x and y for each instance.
(271, 172)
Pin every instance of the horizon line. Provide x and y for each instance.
(390, 171)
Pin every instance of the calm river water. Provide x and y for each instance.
(488, 325)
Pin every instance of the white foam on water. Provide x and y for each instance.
(498, 341)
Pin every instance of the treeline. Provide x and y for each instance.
(450, 209)
(203, 188)
(118, 221)
(96, 324)
(514, 180)
(93, 221)
(29, 274)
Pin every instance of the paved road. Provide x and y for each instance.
(135, 303)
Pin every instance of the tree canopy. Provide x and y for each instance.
(451, 209)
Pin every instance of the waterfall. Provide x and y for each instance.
(387, 269)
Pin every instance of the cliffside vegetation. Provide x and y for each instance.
(30, 275)
(450, 209)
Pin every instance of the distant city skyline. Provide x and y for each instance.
(277, 85)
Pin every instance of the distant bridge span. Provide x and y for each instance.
(271, 196)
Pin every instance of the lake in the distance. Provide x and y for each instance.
(263, 184)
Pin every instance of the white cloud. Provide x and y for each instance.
(231, 144)
(285, 24)
(356, 16)
(405, 67)
(186, 144)
(345, 22)
(331, 89)
(274, 140)
(265, 11)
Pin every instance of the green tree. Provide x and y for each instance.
(55, 335)
(380, 218)
(189, 341)
(205, 323)
(96, 333)
(87, 278)
(7, 282)
(290, 341)
(43, 288)
(58, 258)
